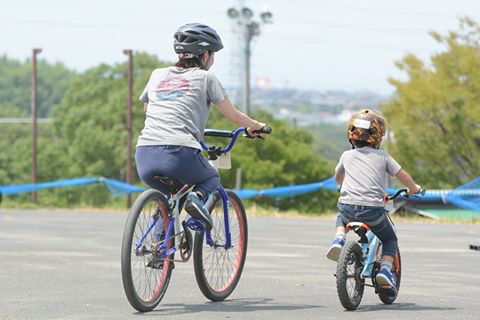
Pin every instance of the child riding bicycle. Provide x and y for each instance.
(361, 172)
(176, 102)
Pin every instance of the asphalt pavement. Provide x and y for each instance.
(61, 264)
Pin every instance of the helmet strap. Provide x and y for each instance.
(353, 146)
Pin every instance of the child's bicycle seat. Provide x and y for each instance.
(359, 228)
(172, 184)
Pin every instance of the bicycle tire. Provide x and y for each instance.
(397, 273)
(156, 280)
(218, 270)
(351, 256)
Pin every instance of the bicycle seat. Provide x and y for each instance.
(357, 226)
(172, 184)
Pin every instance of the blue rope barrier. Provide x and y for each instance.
(466, 196)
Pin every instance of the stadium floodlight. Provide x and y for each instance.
(247, 13)
(232, 13)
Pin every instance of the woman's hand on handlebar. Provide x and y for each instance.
(251, 130)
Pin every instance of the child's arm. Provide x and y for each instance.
(408, 181)
(339, 176)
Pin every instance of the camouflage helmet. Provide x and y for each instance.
(367, 126)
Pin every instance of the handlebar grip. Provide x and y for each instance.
(266, 130)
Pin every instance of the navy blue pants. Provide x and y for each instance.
(185, 164)
(376, 219)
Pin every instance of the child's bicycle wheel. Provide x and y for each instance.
(350, 285)
(145, 280)
(218, 269)
(386, 296)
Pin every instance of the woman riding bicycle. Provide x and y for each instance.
(176, 102)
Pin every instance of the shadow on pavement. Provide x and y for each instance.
(234, 305)
(401, 307)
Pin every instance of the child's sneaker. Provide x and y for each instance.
(334, 252)
(386, 281)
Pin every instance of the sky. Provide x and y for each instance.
(311, 44)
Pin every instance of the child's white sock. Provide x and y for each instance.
(386, 264)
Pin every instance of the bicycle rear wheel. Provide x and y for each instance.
(386, 296)
(350, 285)
(218, 269)
(145, 285)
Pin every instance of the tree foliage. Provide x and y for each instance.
(88, 139)
(435, 115)
(286, 157)
(16, 84)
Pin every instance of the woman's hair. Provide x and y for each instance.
(191, 62)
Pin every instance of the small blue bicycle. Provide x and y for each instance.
(360, 260)
(154, 232)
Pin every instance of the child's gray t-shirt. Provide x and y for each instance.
(365, 179)
(178, 103)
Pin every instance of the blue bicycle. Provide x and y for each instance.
(154, 232)
(360, 260)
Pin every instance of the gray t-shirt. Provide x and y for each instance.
(365, 179)
(178, 103)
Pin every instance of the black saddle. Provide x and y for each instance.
(172, 184)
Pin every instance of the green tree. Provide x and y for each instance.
(285, 158)
(90, 124)
(16, 84)
(435, 114)
(88, 139)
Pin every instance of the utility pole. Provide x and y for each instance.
(35, 52)
(128, 52)
(250, 29)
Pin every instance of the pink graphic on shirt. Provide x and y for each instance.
(172, 88)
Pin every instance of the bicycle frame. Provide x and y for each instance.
(369, 251)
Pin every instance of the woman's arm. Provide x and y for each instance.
(238, 118)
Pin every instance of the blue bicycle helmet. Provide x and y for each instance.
(196, 38)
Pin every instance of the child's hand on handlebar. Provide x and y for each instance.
(416, 190)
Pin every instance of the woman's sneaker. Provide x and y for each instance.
(386, 281)
(335, 249)
(194, 207)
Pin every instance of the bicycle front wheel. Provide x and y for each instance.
(217, 268)
(350, 285)
(145, 281)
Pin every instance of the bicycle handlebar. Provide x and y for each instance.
(229, 134)
(404, 192)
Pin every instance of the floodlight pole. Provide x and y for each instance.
(128, 52)
(35, 52)
(250, 28)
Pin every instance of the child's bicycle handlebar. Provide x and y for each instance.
(404, 192)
